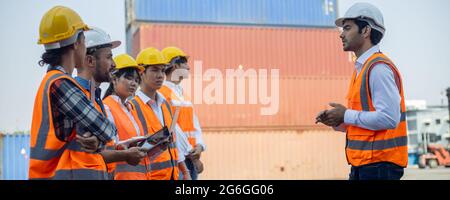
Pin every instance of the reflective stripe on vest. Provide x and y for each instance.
(161, 165)
(40, 153)
(76, 174)
(377, 145)
(403, 117)
(130, 168)
(140, 115)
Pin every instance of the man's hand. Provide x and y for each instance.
(132, 142)
(321, 116)
(88, 142)
(135, 155)
(198, 166)
(195, 152)
(187, 176)
(183, 168)
(335, 116)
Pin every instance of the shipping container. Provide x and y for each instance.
(295, 51)
(14, 156)
(317, 13)
(294, 102)
(277, 154)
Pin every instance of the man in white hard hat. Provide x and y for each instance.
(96, 69)
(374, 119)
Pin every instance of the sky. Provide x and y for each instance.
(416, 39)
(20, 74)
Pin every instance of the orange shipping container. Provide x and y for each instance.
(295, 51)
(313, 70)
(287, 154)
(297, 102)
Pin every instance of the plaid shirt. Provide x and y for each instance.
(71, 107)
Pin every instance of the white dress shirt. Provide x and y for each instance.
(156, 107)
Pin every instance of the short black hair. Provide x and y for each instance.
(176, 60)
(93, 51)
(375, 36)
(53, 57)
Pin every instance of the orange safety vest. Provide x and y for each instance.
(185, 116)
(126, 130)
(51, 158)
(366, 146)
(164, 166)
(111, 144)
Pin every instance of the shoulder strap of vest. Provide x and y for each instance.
(140, 114)
(394, 70)
(168, 108)
(365, 85)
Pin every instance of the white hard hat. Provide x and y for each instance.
(97, 37)
(364, 12)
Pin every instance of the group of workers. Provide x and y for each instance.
(78, 135)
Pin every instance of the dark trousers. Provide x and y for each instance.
(377, 171)
(190, 166)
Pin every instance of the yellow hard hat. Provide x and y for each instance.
(123, 61)
(60, 27)
(151, 56)
(173, 52)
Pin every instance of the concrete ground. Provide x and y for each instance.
(414, 173)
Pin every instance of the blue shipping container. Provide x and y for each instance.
(305, 13)
(15, 153)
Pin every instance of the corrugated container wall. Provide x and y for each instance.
(285, 154)
(14, 156)
(311, 13)
(313, 69)
(295, 51)
(295, 106)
